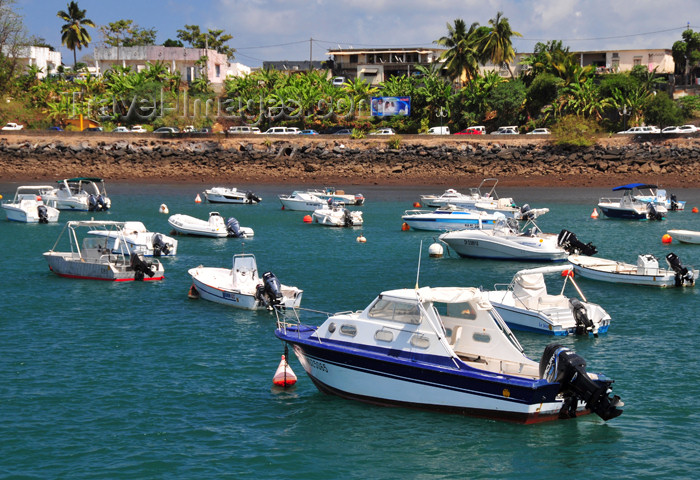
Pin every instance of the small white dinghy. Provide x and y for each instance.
(28, 206)
(685, 236)
(242, 287)
(214, 227)
(645, 272)
(526, 305)
(336, 215)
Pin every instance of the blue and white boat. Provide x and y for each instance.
(448, 218)
(629, 207)
(525, 304)
(658, 196)
(444, 349)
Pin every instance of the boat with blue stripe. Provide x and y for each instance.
(449, 218)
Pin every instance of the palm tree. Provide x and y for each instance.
(73, 33)
(497, 44)
(461, 58)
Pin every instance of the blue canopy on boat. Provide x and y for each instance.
(630, 186)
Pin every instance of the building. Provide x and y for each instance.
(44, 58)
(176, 59)
(375, 65)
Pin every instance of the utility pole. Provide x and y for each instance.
(311, 46)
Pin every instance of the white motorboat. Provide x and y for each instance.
(28, 207)
(506, 241)
(336, 215)
(450, 197)
(526, 305)
(444, 349)
(214, 227)
(476, 199)
(242, 286)
(658, 196)
(685, 236)
(80, 194)
(134, 238)
(301, 201)
(333, 195)
(645, 272)
(630, 208)
(448, 218)
(91, 257)
(230, 195)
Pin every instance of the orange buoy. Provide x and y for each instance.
(284, 376)
(193, 293)
(38, 198)
(567, 273)
(163, 208)
(416, 205)
(361, 239)
(666, 238)
(198, 199)
(307, 219)
(695, 210)
(405, 227)
(595, 213)
(282, 207)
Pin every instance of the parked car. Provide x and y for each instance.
(681, 129)
(309, 132)
(510, 130)
(539, 131)
(93, 129)
(640, 130)
(55, 128)
(241, 130)
(281, 131)
(13, 126)
(343, 131)
(138, 129)
(439, 131)
(384, 131)
(338, 81)
(120, 130)
(475, 130)
(167, 130)
(189, 129)
(204, 130)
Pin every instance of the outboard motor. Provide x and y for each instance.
(569, 242)
(141, 267)
(559, 364)
(683, 275)
(92, 203)
(674, 202)
(159, 246)
(347, 218)
(43, 213)
(653, 213)
(583, 323)
(101, 204)
(526, 213)
(273, 288)
(250, 197)
(233, 228)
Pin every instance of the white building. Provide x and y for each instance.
(41, 57)
(176, 59)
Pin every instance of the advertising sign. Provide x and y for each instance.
(389, 106)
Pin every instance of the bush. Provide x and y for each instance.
(394, 142)
(575, 130)
(357, 134)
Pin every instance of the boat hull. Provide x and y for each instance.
(71, 265)
(447, 222)
(685, 236)
(378, 379)
(300, 205)
(605, 270)
(537, 322)
(30, 215)
(622, 213)
(477, 244)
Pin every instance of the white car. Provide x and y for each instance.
(242, 130)
(640, 130)
(281, 131)
(138, 129)
(384, 131)
(13, 126)
(120, 130)
(511, 130)
(681, 129)
(539, 131)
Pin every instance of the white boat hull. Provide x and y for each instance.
(215, 227)
(229, 195)
(685, 236)
(29, 213)
(337, 218)
(487, 244)
(448, 221)
(611, 271)
(72, 265)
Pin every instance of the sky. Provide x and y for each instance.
(273, 30)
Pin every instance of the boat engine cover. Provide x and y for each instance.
(233, 228)
(273, 288)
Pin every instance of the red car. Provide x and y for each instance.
(472, 131)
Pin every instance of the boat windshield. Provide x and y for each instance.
(395, 311)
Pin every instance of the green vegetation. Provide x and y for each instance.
(554, 90)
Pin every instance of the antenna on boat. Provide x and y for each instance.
(419, 255)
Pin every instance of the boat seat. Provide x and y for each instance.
(546, 301)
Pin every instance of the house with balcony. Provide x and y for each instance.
(375, 65)
(176, 59)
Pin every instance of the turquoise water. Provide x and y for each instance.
(136, 381)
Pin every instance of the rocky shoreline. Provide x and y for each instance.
(672, 162)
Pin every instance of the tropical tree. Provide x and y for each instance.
(497, 44)
(12, 39)
(462, 56)
(73, 32)
(126, 33)
(213, 39)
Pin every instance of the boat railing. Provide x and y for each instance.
(417, 212)
(610, 200)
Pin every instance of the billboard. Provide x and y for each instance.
(389, 106)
